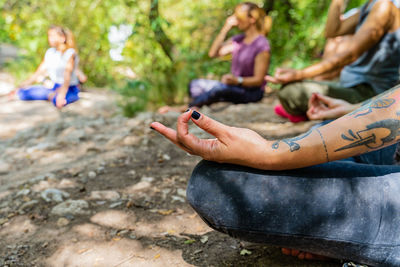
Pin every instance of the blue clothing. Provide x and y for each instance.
(379, 66)
(341, 209)
(39, 92)
(206, 92)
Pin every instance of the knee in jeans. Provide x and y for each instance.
(200, 194)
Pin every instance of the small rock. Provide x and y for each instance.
(197, 251)
(23, 192)
(204, 239)
(141, 186)
(28, 205)
(106, 194)
(131, 140)
(3, 221)
(62, 222)
(132, 236)
(166, 157)
(177, 198)
(100, 169)
(74, 207)
(92, 174)
(147, 179)
(115, 204)
(83, 180)
(37, 179)
(181, 192)
(132, 172)
(122, 232)
(53, 194)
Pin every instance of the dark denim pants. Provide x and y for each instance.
(345, 209)
(207, 92)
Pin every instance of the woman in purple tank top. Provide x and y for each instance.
(250, 60)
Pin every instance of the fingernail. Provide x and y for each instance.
(195, 115)
(187, 110)
(151, 127)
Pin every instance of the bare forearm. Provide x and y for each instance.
(372, 126)
(326, 65)
(252, 81)
(333, 22)
(216, 45)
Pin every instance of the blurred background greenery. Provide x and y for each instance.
(168, 45)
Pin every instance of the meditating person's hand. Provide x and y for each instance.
(60, 100)
(322, 107)
(231, 145)
(231, 21)
(284, 76)
(229, 79)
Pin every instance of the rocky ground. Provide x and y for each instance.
(88, 187)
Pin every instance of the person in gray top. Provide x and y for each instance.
(371, 61)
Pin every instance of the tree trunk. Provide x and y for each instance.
(161, 37)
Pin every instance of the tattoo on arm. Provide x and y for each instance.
(371, 104)
(380, 101)
(376, 135)
(292, 142)
(323, 142)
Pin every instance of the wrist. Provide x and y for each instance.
(239, 80)
(301, 75)
(273, 155)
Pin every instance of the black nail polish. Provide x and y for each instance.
(151, 127)
(196, 115)
(187, 110)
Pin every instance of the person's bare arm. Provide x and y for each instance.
(335, 26)
(376, 25)
(372, 126)
(261, 65)
(63, 89)
(220, 47)
(34, 77)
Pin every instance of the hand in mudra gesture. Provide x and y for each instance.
(231, 145)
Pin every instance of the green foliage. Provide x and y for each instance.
(134, 97)
(189, 27)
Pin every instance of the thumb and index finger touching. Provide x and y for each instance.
(186, 140)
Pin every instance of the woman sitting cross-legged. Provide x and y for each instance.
(60, 63)
(250, 61)
(332, 191)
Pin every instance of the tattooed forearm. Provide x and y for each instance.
(376, 135)
(372, 104)
(323, 142)
(380, 101)
(292, 142)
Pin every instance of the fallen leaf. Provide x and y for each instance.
(190, 241)
(165, 212)
(157, 256)
(244, 252)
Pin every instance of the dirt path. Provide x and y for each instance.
(88, 187)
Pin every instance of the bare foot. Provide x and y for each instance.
(303, 255)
